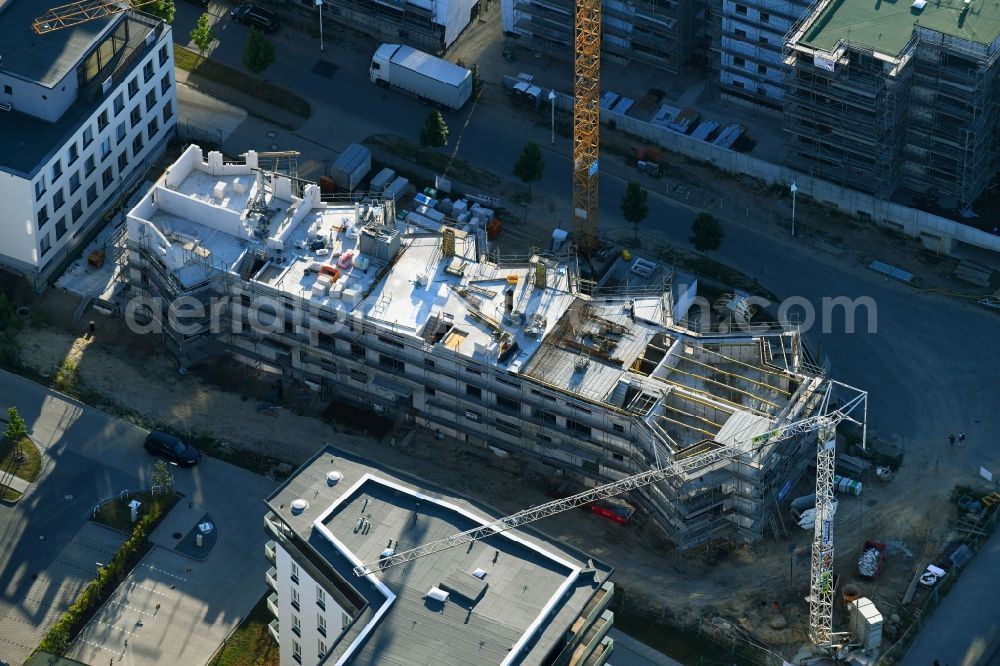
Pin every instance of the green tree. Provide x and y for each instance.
(477, 80)
(529, 166)
(162, 476)
(258, 52)
(634, 206)
(162, 9)
(202, 34)
(706, 233)
(16, 427)
(435, 130)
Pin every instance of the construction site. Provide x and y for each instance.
(891, 99)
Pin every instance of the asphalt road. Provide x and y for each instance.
(926, 362)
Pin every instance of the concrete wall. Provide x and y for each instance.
(18, 227)
(936, 233)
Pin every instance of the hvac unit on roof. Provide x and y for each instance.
(919, 4)
(437, 594)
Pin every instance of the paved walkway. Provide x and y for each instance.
(14, 483)
(965, 628)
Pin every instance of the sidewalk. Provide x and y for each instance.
(14, 483)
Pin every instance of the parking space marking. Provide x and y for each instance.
(98, 646)
(122, 603)
(149, 589)
(116, 627)
(165, 573)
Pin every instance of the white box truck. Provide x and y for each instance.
(422, 75)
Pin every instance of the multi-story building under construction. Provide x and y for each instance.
(660, 33)
(897, 97)
(521, 358)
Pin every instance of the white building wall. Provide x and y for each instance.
(19, 244)
(309, 613)
(72, 189)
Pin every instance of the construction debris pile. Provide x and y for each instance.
(868, 562)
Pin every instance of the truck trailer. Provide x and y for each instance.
(422, 75)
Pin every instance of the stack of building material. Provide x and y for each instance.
(728, 136)
(703, 129)
(608, 99)
(396, 188)
(866, 623)
(684, 120)
(845, 485)
(664, 115)
(381, 179)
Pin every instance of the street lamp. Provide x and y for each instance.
(794, 189)
(552, 99)
(791, 560)
(319, 3)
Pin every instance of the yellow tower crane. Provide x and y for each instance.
(586, 122)
(75, 13)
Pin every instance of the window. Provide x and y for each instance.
(389, 341)
(741, 10)
(150, 100)
(359, 376)
(507, 382)
(580, 409)
(762, 38)
(137, 145)
(618, 427)
(74, 182)
(508, 427)
(761, 69)
(590, 466)
(165, 84)
(295, 597)
(473, 392)
(431, 392)
(168, 111)
(508, 404)
(296, 625)
(297, 652)
(44, 244)
(77, 211)
(164, 55)
(119, 103)
(739, 62)
(60, 228)
(108, 176)
(58, 199)
(740, 32)
(135, 116)
(105, 149)
(8, 90)
(56, 170)
(73, 154)
(357, 350)
(120, 132)
(429, 362)
(321, 624)
(295, 575)
(764, 17)
(321, 597)
(473, 372)
(102, 121)
(122, 161)
(89, 165)
(547, 417)
(391, 363)
(578, 429)
(147, 71)
(43, 216)
(133, 87)
(92, 194)
(39, 187)
(618, 456)
(88, 136)
(322, 649)
(152, 128)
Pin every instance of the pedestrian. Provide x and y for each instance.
(961, 438)
(951, 440)
(936, 663)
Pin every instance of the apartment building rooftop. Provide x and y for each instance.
(49, 57)
(511, 597)
(887, 27)
(27, 140)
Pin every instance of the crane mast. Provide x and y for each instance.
(586, 122)
(821, 565)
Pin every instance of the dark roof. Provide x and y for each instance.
(27, 141)
(43, 58)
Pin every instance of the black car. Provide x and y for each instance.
(173, 449)
(256, 16)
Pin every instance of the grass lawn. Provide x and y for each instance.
(8, 495)
(22, 459)
(251, 644)
(251, 85)
(114, 513)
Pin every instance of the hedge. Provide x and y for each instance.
(59, 637)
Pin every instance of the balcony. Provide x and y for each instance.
(272, 604)
(270, 550)
(272, 629)
(272, 578)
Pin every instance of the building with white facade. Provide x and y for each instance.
(514, 598)
(410, 317)
(83, 110)
(429, 25)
